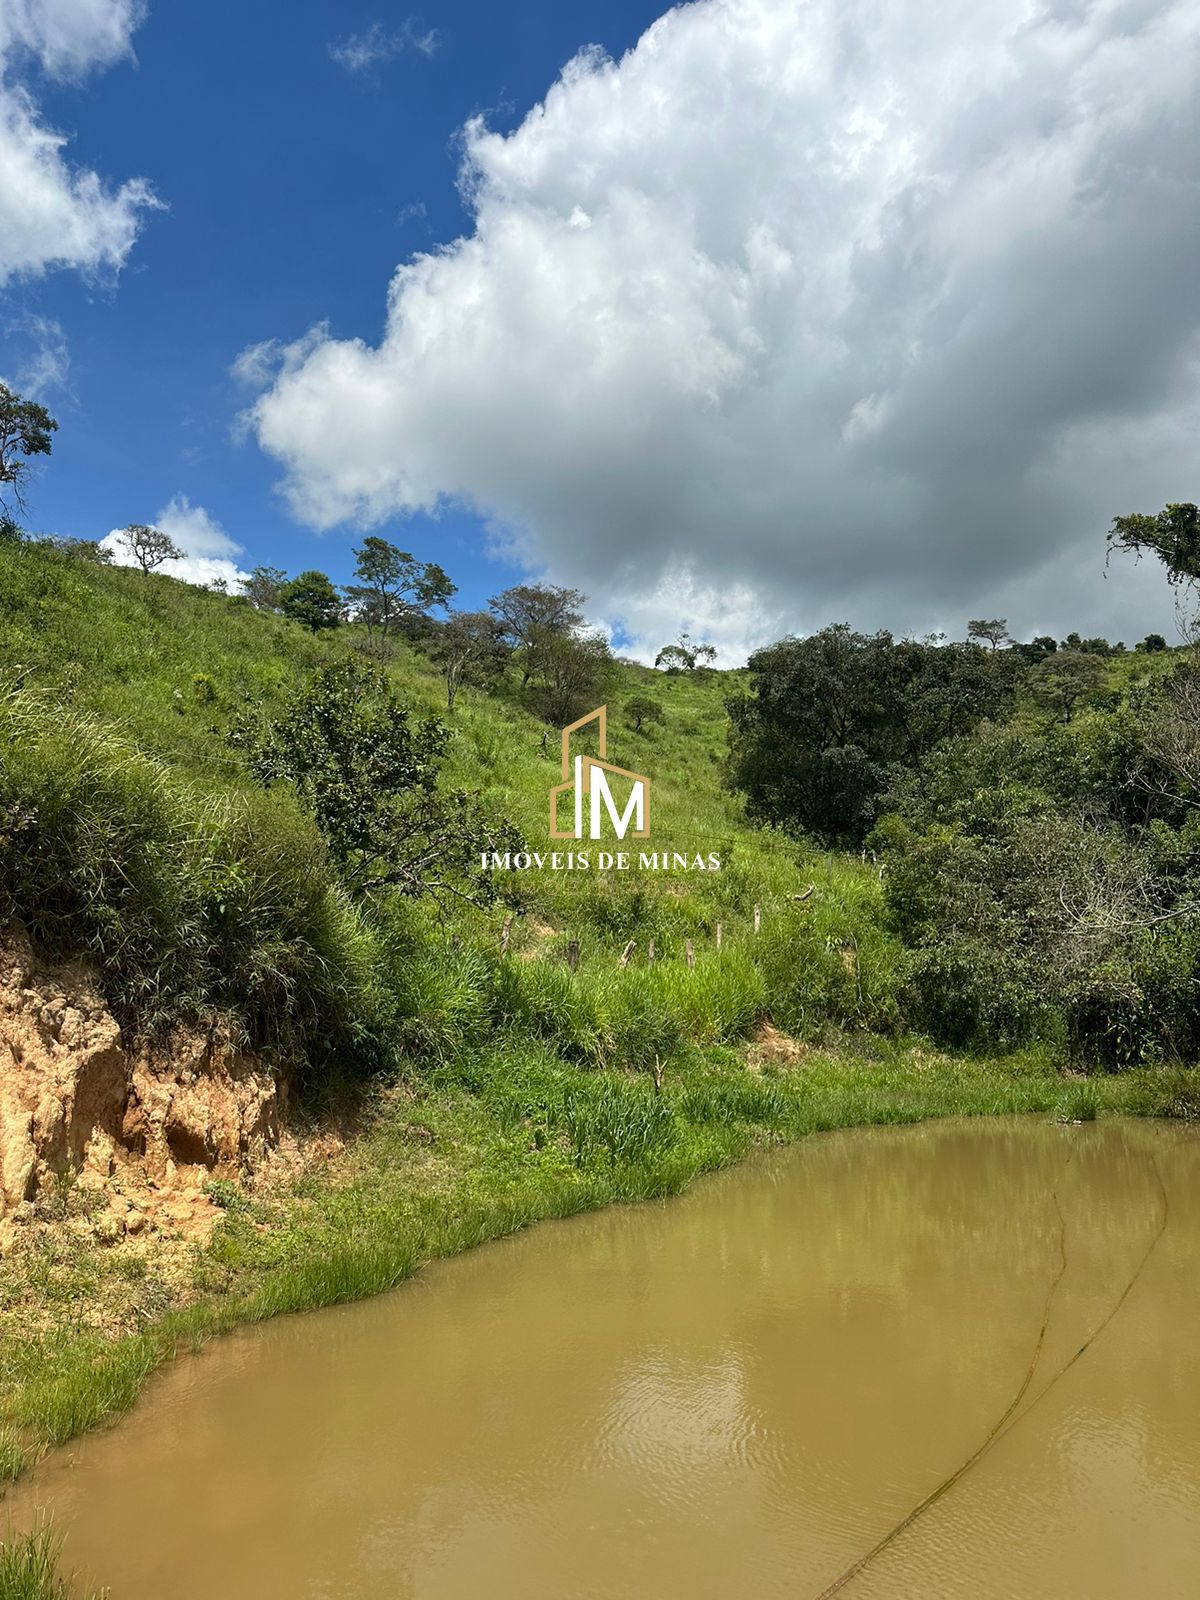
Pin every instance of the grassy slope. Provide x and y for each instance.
(499, 1123)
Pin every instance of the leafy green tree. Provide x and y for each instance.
(393, 586)
(569, 674)
(685, 655)
(640, 708)
(11, 531)
(369, 775)
(1063, 680)
(148, 546)
(1173, 535)
(311, 600)
(990, 631)
(531, 611)
(1037, 649)
(828, 716)
(1151, 644)
(25, 430)
(470, 649)
(674, 658)
(264, 588)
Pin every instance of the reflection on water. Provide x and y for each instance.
(737, 1393)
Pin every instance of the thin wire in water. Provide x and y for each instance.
(1007, 1420)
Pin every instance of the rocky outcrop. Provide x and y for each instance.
(75, 1099)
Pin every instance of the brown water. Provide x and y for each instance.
(738, 1393)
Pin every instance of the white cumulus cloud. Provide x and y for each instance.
(208, 551)
(54, 214)
(801, 312)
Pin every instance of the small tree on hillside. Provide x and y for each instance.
(640, 709)
(393, 586)
(685, 655)
(311, 600)
(25, 429)
(530, 611)
(1064, 680)
(148, 546)
(568, 675)
(264, 588)
(993, 631)
(1151, 644)
(470, 649)
(368, 774)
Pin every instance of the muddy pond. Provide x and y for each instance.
(957, 1359)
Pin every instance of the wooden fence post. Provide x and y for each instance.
(719, 932)
(505, 933)
(573, 954)
(650, 954)
(689, 951)
(757, 918)
(627, 952)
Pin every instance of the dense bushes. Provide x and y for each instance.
(829, 716)
(1043, 897)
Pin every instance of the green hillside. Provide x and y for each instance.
(168, 669)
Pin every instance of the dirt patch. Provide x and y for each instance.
(143, 1130)
(772, 1048)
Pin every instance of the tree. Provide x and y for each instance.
(311, 600)
(393, 585)
(369, 775)
(148, 546)
(531, 611)
(685, 655)
(82, 550)
(1061, 681)
(639, 708)
(1152, 643)
(674, 658)
(264, 588)
(11, 531)
(1173, 535)
(568, 674)
(25, 429)
(470, 649)
(993, 632)
(828, 717)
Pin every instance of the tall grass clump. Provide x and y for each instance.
(29, 1567)
(617, 1121)
(192, 907)
(442, 994)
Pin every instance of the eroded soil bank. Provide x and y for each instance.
(948, 1359)
(139, 1130)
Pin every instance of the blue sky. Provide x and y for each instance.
(745, 318)
(292, 187)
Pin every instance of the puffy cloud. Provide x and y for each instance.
(799, 313)
(359, 52)
(209, 552)
(53, 214)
